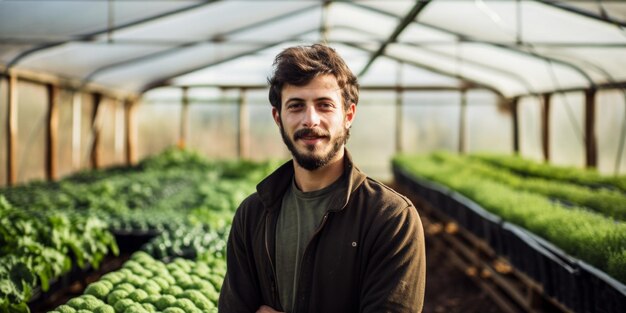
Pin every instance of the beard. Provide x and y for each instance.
(312, 161)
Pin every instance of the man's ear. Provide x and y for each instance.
(350, 113)
(276, 116)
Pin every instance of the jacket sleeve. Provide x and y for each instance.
(240, 291)
(395, 272)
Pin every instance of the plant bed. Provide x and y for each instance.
(559, 273)
(107, 210)
(530, 168)
(144, 284)
(131, 241)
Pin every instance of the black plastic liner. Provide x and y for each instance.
(131, 241)
(572, 282)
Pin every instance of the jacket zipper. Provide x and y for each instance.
(269, 257)
(305, 250)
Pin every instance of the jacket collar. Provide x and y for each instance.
(272, 188)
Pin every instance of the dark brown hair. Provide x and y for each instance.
(299, 65)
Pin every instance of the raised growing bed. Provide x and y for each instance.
(572, 282)
(106, 212)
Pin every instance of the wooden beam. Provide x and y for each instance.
(399, 106)
(591, 146)
(367, 87)
(131, 131)
(243, 134)
(462, 123)
(43, 78)
(52, 132)
(184, 119)
(515, 117)
(95, 130)
(12, 130)
(77, 117)
(545, 126)
(120, 127)
(399, 125)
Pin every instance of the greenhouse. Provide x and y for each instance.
(133, 129)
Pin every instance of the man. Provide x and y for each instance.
(319, 235)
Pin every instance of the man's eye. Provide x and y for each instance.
(294, 105)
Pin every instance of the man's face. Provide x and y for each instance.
(313, 123)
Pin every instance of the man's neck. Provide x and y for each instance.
(322, 177)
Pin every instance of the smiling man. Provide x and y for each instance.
(319, 235)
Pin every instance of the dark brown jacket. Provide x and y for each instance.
(367, 255)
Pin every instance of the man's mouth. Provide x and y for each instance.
(310, 136)
(310, 140)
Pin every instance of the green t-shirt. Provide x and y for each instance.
(300, 215)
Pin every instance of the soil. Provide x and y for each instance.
(450, 290)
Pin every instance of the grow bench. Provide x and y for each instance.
(519, 270)
(74, 282)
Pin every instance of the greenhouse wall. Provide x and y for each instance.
(610, 127)
(106, 122)
(3, 131)
(265, 142)
(430, 121)
(65, 134)
(31, 126)
(86, 134)
(162, 122)
(567, 118)
(372, 136)
(529, 111)
(489, 124)
(213, 129)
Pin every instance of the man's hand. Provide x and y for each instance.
(266, 309)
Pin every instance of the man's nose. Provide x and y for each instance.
(311, 117)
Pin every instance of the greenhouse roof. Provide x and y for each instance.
(510, 47)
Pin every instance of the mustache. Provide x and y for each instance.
(310, 132)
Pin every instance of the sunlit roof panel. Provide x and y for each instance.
(138, 75)
(279, 29)
(486, 20)
(533, 72)
(217, 19)
(501, 82)
(347, 14)
(543, 23)
(79, 59)
(54, 20)
(398, 8)
(602, 64)
(615, 10)
(248, 70)
(418, 34)
(387, 72)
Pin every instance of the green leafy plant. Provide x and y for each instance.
(592, 237)
(606, 201)
(530, 168)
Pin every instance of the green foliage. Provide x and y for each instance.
(530, 168)
(104, 309)
(46, 228)
(592, 237)
(609, 202)
(616, 265)
(37, 247)
(192, 291)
